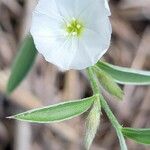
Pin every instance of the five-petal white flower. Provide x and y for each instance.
(72, 34)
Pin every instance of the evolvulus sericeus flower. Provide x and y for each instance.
(72, 34)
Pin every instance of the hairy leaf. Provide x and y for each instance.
(108, 83)
(138, 135)
(57, 112)
(124, 75)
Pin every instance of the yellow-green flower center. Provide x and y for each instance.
(74, 28)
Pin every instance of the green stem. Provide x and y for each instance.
(114, 122)
(106, 108)
(93, 80)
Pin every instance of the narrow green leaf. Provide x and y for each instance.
(57, 112)
(124, 75)
(139, 135)
(92, 123)
(108, 83)
(22, 64)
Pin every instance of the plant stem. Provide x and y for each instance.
(114, 122)
(93, 80)
(93, 119)
(105, 106)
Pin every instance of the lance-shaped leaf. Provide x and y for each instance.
(138, 135)
(108, 83)
(124, 75)
(22, 64)
(57, 112)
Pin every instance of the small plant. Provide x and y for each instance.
(100, 74)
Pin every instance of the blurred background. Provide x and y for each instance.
(46, 85)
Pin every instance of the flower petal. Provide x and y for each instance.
(47, 7)
(62, 54)
(66, 8)
(101, 7)
(94, 13)
(71, 51)
(48, 26)
(107, 7)
(92, 46)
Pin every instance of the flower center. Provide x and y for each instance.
(74, 28)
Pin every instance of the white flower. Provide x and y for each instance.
(72, 34)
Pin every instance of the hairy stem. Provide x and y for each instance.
(93, 80)
(114, 122)
(105, 106)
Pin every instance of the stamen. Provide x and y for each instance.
(78, 26)
(74, 33)
(68, 25)
(74, 28)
